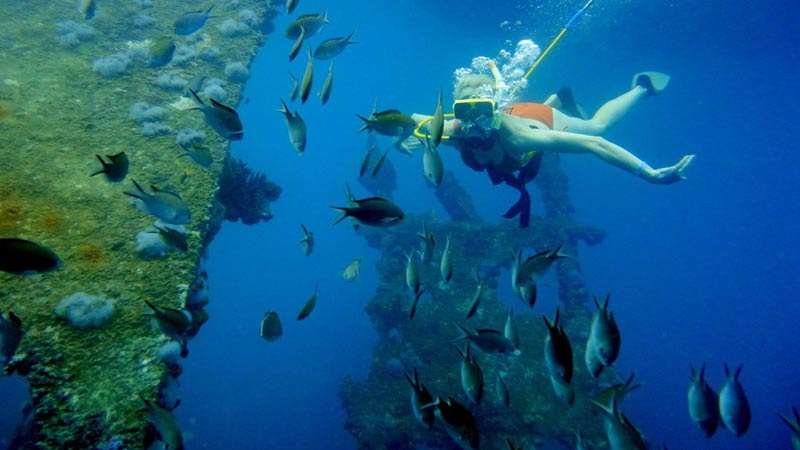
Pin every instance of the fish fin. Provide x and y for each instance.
(367, 124)
(345, 213)
(194, 94)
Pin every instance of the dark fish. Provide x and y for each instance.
(167, 206)
(476, 297)
(428, 245)
(296, 127)
(309, 306)
(703, 403)
(20, 256)
(365, 162)
(620, 432)
(373, 211)
(327, 85)
(308, 79)
(558, 350)
(166, 425)
(471, 376)
(530, 270)
(10, 335)
(200, 154)
(116, 169)
(580, 444)
(459, 423)
(192, 21)
(604, 334)
(174, 323)
(161, 51)
(446, 264)
(436, 125)
(412, 273)
(330, 48)
(488, 340)
(298, 44)
(794, 426)
(87, 8)
(307, 243)
(734, 408)
(173, 237)
(291, 5)
(502, 392)
(379, 164)
(413, 311)
(311, 23)
(419, 398)
(388, 123)
(223, 119)
(271, 328)
(620, 391)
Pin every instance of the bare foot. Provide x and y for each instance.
(672, 174)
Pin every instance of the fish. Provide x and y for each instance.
(510, 330)
(563, 390)
(703, 403)
(350, 272)
(436, 126)
(296, 126)
(291, 5)
(365, 162)
(528, 294)
(476, 297)
(412, 273)
(167, 206)
(308, 79)
(22, 257)
(161, 51)
(327, 85)
(199, 154)
(604, 334)
(527, 272)
(580, 444)
(271, 328)
(167, 428)
(295, 87)
(10, 335)
(593, 364)
(620, 432)
(222, 118)
(558, 350)
(173, 237)
(432, 165)
(379, 164)
(176, 324)
(330, 48)
(307, 243)
(87, 8)
(471, 376)
(734, 408)
(192, 21)
(428, 245)
(620, 391)
(446, 263)
(459, 423)
(309, 306)
(116, 169)
(298, 44)
(413, 311)
(502, 392)
(419, 398)
(311, 23)
(488, 340)
(794, 426)
(372, 211)
(388, 123)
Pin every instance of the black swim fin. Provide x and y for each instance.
(521, 208)
(568, 104)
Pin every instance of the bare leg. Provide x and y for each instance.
(605, 117)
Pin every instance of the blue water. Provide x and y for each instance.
(702, 271)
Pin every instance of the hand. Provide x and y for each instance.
(672, 174)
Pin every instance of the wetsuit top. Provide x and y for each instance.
(508, 164)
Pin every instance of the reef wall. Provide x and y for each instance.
(379, 409)
(72, 87)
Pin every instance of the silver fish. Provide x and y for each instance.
(192, 21)
(413, 311)
(794, 426)
(428, 245)
(412, 273)
(167, 206)
(87, 8)
(327, 85)
(350, 272)
(620, 432)
(563, 390)
(330, 48)
(222, 118)
(432, 165)
(298, 44)
(291, 5)
(476, 297)
(200, 155)
(604, 334)
(436, 126)
(379, 164)
(446, 264)
(295, 87)
(619, 391)
(734, 408)
(580, 444)
(593, 365)
(308, 79)
(296, 127)
(471, 376)
(703, 403)
(528, 294)
(310, 22)
(365, 162)
(307, 243)
(510, 330)
(10, 335)
(527, 272)
(502, 391)
(166, 425)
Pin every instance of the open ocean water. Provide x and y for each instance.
(701, 271)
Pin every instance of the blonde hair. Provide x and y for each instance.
(474, 86)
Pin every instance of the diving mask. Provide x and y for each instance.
(473, 108)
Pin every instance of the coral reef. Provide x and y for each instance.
(246, 194)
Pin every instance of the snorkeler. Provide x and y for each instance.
(512, 140)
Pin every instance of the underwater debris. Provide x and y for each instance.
(237, 72)
(112, 66)
(245, 193)
(71, 33)
(234, 28)
(84, 311)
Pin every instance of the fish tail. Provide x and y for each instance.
(194, 94)
(367, 125)
(345, 213)
(139, 188)
(102, 163)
